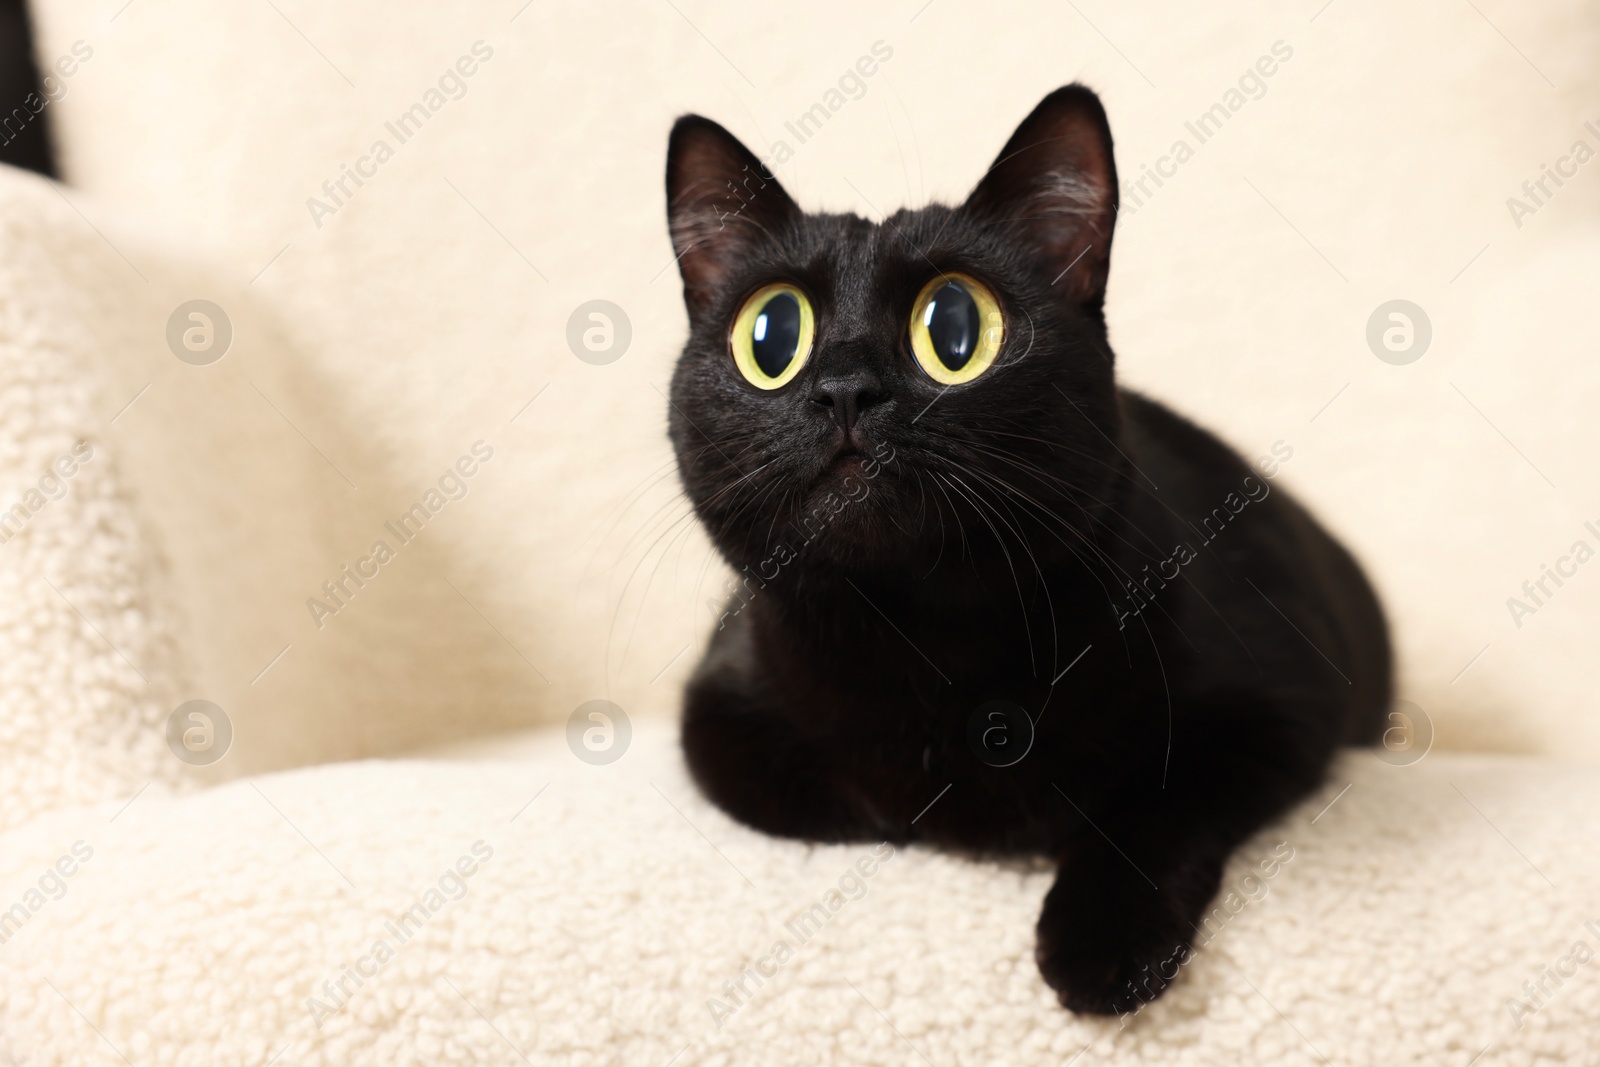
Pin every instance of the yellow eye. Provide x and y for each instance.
(772, 336)
(956, 327)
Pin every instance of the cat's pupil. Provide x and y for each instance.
(776, 334)
(952, 322)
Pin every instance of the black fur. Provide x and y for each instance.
(909, 552)
(25, 121)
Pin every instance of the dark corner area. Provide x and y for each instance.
(24, 121)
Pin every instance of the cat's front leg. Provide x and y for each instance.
(1134, 885)
(1114, 930)
(755, 765)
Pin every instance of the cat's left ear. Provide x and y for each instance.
(721, 202)
(1054, 186)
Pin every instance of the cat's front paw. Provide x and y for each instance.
(1109, 941)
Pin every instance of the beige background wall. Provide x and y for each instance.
(373, 351)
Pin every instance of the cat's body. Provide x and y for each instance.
(1189, 647)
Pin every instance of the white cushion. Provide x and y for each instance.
(615, 904)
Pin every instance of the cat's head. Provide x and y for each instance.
(877, 395)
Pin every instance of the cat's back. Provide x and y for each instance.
(1195, 487)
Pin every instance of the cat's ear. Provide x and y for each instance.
(721, 201)
(1054, 186)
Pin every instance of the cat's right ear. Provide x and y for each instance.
(1054, 187)
(721, 201)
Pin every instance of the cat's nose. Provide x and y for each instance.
(847, 396)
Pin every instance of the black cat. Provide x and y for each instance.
(988, 600)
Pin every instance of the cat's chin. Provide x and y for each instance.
(850, 475)
(849, 485)
(850, 516)
(847, 465)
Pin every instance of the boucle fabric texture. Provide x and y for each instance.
(537, 909)
(85, 655)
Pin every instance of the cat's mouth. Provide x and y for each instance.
(853, 464)
(847, 461)
(850, 473)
